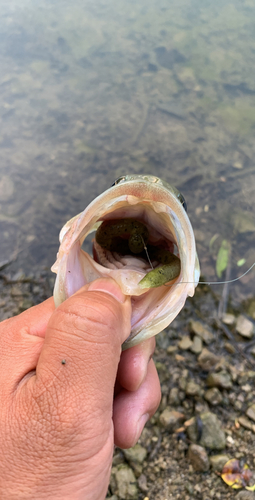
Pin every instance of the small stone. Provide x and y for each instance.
(251, 412)
(118, 458)
(182, 382)
(201, 407)
(238, 165)
(207, 360)
(170, 419)
(26, 304)
(172, 349)
(192, 389)
(230, 347)
(212, 436)
(245, 495)
(245, 327)
(136, 454)
(218, 461)
(213, 396)
(197, 345)
(228, 319)
(126, 483)
(142, 483)
(185, 343)
(246, 423)
(198, 458)
(16, 291)
(202, 331)
(221, 379)
(174, 398)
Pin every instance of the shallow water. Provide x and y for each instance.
(93, 90)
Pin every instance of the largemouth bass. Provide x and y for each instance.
(144, 241)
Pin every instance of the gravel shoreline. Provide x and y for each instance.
(207, 411)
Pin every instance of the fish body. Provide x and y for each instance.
(158, 207)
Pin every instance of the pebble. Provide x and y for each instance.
(174, 398)
(228, 319)
(136, 454)
(251, 412)
(192, 389)
(198, 458)
(202, 331)
(217, 462)
(126, 483)
(172, 349)
(207, 360)
(221, 379)
(171, 419)
(212, 436)
(230, 347)
(245, 327)
(16, 292)
(26, 304)
(245, 495)
(197, 345)
(185, 343)
(142, 483)
(213, 396)
(246, 423)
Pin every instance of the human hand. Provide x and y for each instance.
(59, 419)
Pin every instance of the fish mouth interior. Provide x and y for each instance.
(135, 267)
(159, 235)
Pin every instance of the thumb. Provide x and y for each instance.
(82, 347)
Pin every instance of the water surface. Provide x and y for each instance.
(91, 90)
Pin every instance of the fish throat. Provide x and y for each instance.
(131, 237)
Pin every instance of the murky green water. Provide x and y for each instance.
(90, 90)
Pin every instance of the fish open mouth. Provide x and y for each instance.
(151, 247)
(160, 214)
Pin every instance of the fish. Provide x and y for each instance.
(158, 213)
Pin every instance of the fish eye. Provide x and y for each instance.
(120, 179)
(183, 202)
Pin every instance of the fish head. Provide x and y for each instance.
(162, 209)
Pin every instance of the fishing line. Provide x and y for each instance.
(146, 251)
(215, 282)
(228, 281)
(199, 282)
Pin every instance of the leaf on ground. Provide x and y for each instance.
(222, 258)
(236, 475)
(241, 262)
(250, 488)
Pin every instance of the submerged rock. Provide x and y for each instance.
(202, 331)
(245, 327)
